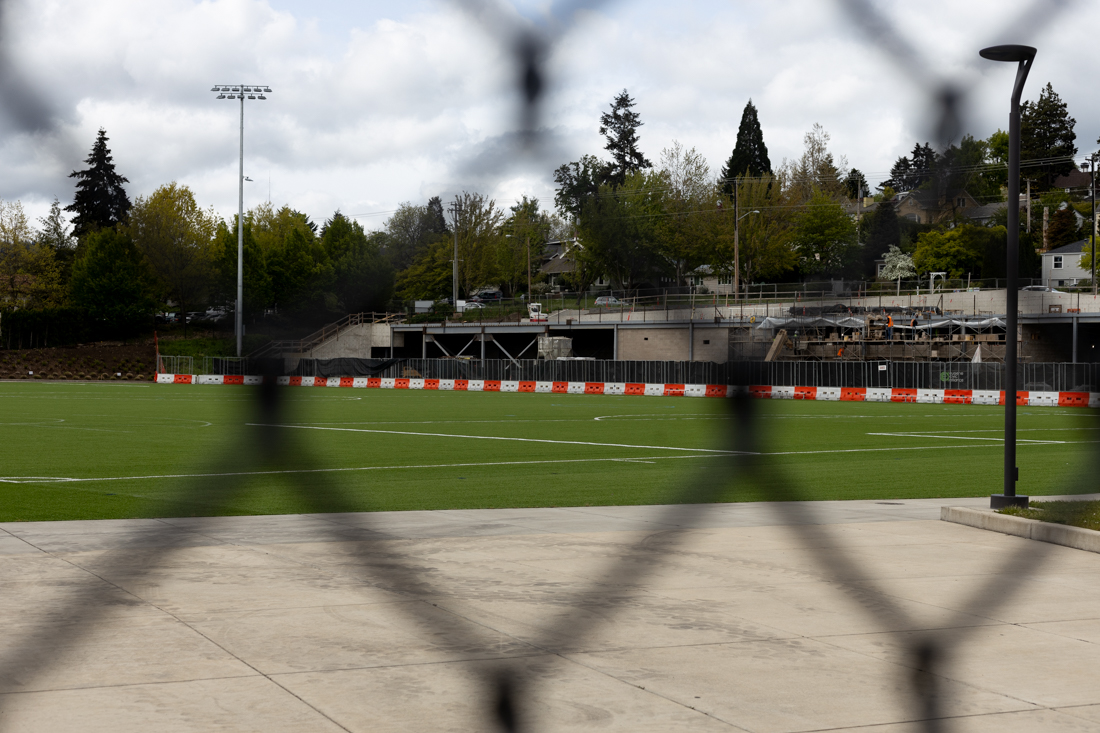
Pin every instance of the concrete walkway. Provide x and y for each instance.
(762, 618)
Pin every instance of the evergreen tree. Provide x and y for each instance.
(910, 173)
(750, 154)
(1046, 131)
(100, 200)
(882, 229)
(578, 182)
(1063, 229)
(437, 222)
(620, 127)
(855, 185)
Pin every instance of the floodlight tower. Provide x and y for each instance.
(240, 91)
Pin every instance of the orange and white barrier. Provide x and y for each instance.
(764, 392)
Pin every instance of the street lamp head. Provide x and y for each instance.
(1009, 52)
(755, 211)
(220, 96)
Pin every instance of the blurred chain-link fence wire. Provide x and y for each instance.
(262, 445)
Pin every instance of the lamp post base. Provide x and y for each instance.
(1000, 501)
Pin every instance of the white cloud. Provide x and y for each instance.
(375, 105)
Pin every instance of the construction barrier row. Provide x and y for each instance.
(835, 394)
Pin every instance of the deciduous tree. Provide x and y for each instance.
(112, 283)
(176, 237)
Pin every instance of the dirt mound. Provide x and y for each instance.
(103, 360)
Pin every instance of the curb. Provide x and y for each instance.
(1078, 538)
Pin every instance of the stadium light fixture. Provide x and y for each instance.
(1024, 57)
(238, 92)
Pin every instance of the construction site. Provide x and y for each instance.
(942, 327)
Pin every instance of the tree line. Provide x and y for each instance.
(639, 224)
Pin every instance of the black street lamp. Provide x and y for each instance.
(1024, 56)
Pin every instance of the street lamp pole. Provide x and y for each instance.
(240, 91)
(1024, 56)
(737, 249)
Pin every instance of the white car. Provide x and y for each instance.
(1039, 289)
(607, 300)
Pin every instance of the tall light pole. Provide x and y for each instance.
(456, 211)
(240, 91)
(1024, 56)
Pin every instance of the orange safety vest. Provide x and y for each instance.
(890, 321)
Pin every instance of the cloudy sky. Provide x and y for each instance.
(377, 103)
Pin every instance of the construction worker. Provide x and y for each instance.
(889, 328)
(913, 325)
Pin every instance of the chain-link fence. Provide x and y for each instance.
(506, 687)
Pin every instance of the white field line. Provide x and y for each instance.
(640, 459)
(60, 479)
(500, 437)
(991, 438)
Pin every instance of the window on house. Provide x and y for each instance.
(1057, 262)
(725, 279)
(960, 202)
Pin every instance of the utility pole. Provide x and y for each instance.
(1028, 206)
(240, 91)
(736, 242)
(456, 210)
(529, 293)
(1092, 186)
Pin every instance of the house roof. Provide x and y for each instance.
(1074, 248)
(985, 211)
(1073, 179)
(557, 265)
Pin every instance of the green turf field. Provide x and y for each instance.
(108, 450)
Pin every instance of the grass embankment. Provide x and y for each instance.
(1073, 513)
(209, 346)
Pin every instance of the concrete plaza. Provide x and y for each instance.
(760, 618)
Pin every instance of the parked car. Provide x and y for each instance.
(1040, 289)
(487, 296)
(605, 301)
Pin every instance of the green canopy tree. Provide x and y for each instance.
(257, 282)
(113, 285)
(362, 278)
(176, 238)
(824, 237)
(100, 200)
(430, 274)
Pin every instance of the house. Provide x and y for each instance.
(924, 207)
(1062, 266)
(1075, 182)
(557, 260)
(984, 214)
